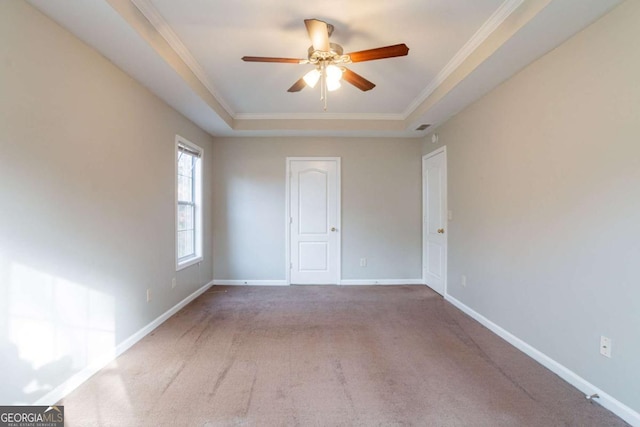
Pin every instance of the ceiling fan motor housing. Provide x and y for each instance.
(334, 55)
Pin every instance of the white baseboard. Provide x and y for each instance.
(382, 282)
(342, 282)
(250, 282)
(615, 406)
(77, 379)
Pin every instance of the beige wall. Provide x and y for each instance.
(86, 204)
(380, 205)
(544, 185)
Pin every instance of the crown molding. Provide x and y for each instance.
(318, 116)
(494, 21)
(164, 29)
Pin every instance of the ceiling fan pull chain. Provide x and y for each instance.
(323, 84)
(326, 88)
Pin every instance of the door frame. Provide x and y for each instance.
(442, 150)
(287, 214)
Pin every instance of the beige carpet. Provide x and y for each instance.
(323, 355)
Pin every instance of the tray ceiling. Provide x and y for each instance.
(189, 52)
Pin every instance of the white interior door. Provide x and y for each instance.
(314, 229)
(434, 227)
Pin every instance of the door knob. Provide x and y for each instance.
(333, 229)
(441, 230)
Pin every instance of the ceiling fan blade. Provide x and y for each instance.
(269, 59)
(357, 80)
(318, 33)
(297, 86)
(380, 53)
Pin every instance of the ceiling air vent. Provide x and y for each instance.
(422, 127)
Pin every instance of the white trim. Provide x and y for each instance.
(441, 150)
(348, 282)
(164, 29)
(77, 379)
(250, 282)
(606, 400)
(319, 116)
(435, 152)
(189, 263)
(287, 212)
(287, 221)
(494, 21)
(352, 282)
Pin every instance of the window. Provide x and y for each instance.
(188, 203)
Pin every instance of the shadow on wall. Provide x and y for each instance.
(51, 329)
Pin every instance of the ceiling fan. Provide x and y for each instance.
(329, 61)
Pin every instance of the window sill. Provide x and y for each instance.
(188, 263)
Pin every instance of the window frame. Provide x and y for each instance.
(197, 203)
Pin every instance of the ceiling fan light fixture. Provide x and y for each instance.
(333, 85)
(334, 73)
(312, 77)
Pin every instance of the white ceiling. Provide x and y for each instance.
(219, 33)
(227, 96)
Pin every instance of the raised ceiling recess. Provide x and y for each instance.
(188, 53)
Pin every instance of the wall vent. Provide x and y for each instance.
(422, 127)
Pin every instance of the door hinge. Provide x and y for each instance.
(290, 220)
(290, 266)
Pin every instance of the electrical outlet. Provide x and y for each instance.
(363, 262)
(605, 346)
(148, 295)
(173, 283)
(463, 280)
